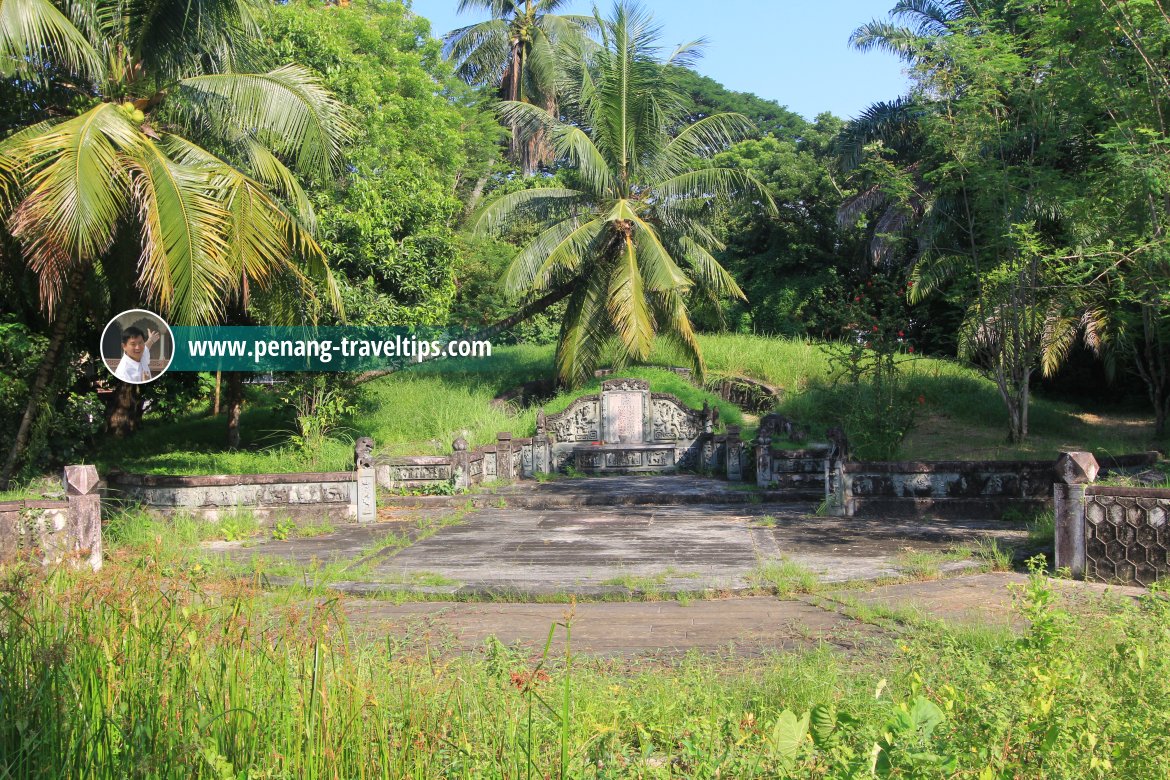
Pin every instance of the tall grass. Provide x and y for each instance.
(136, 674)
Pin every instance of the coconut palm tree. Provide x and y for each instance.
(628, 244)
(514, 52)
(168, 132)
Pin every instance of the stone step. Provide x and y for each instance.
(568, 500)
(945, 508)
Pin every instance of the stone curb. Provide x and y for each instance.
(576, 500)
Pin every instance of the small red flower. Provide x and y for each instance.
(857, 299)
(921, 399)
(875, 329)
(901, 334)
(910, 350)
(909, 285)
(869, 284)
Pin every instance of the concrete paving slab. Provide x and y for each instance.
(665, 548)
(744, 626)
(741, 625)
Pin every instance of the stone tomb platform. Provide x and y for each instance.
(598, 536)
(594, 550)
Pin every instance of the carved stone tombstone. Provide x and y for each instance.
(624, 410)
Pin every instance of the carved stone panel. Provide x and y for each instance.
(628, 459)
(673, 422)
(580, 422)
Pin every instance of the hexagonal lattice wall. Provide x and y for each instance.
(1127, 539)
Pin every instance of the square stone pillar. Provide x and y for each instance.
(83, 539)
(763, 463)
(461, 464)
(734, 458)
(504, 470)
(366, 489)
(1075, 471)
(540, 454)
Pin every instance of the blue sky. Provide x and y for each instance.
(795, 53)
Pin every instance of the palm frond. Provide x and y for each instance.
(539, 203)
(478, 51)
(706, 137)
(894, 39)
(74, 174)
(658, 268)
(676, 325)
(288, 109)
(184, 229)
(34, 34)
(553, 256)
(930, 273)
(584, 331)
(893, 122)
(712, 275)
(264, 240)
(275, 175)
(627, 305)
(713, 184)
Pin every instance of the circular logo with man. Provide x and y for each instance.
(137, 346)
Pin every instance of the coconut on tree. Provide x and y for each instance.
(630, 243)
(170, 132)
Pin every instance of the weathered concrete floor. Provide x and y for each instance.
(592, 537)
(740, 625)
(681, 548)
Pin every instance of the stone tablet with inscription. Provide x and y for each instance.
(623, 417)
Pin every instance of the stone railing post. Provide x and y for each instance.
(1074, 472)
(366, 492)
(84, 537)
(763, 462)
(461, 464)
(540, 454)
(844, 489)
(734, 456)
(504, 470)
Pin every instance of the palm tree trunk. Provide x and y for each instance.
(43, 376)
(235, 405)
(475, 196)
(124, 410)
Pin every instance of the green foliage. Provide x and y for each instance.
(877, 405)
(97, 674)
(387, 227)
(626, 242)
(65, 426)
(319, 406)
(282, 530)
(791, 264)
